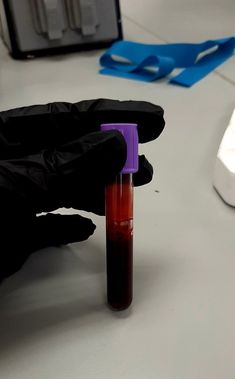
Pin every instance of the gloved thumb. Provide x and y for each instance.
(23, 236)
(56, 229)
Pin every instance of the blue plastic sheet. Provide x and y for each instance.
(150, 62)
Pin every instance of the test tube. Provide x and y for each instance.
(119, 223)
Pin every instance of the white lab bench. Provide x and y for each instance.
(54, 322)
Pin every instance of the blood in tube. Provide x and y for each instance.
(119, 224)
(119, 242)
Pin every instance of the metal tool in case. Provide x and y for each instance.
(40, 27)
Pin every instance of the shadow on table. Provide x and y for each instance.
(63, 289)
(55, 286)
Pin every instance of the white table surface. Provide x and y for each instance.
(54, 323)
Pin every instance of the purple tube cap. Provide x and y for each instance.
(129, 132)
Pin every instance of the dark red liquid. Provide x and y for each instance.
(119, 272)
(119, 241)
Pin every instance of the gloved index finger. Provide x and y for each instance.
(148, 116)
(27, 130)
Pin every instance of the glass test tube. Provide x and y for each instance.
(119, 224)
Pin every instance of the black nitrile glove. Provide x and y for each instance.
(54, 156)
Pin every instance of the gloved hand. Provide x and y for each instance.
(54, 156)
